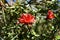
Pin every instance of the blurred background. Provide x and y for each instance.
(42, 29)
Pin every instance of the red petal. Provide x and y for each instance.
(50, 15)
(26, 18)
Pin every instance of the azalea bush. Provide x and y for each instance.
(40, 21)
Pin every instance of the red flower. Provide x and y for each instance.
(26, 18)
(50, 15)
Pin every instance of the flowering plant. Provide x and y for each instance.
(35, 14)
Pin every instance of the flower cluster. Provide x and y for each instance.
(26, 18)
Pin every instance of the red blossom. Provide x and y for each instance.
(50, 15)
(26, 18)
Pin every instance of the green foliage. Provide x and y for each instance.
(42, 29)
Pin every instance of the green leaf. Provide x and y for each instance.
(57, 37)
